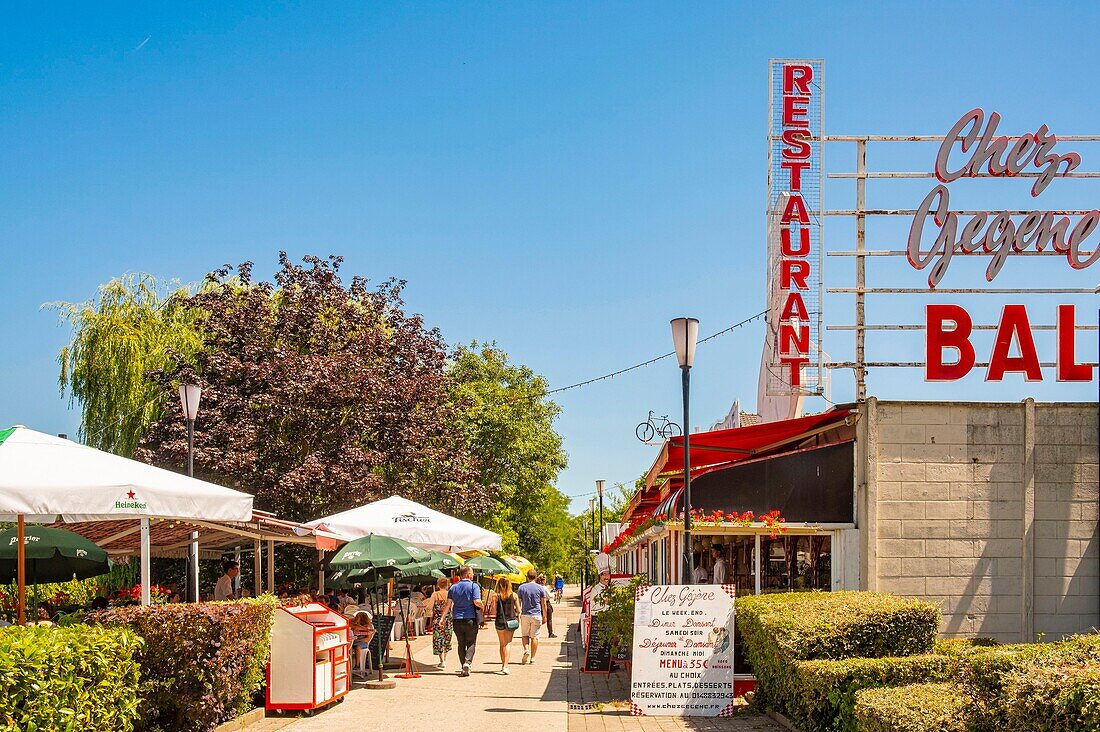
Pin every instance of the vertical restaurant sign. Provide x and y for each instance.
(683, 651)
(796, 209)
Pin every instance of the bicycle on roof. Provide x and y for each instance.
(649, 429)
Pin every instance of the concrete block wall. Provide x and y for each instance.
(988, 509)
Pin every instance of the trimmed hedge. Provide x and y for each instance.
(1050, 698)
(800, 626)
(824, 692)
(201, 663)
(76, 679)
(913, 708)
(988, 674)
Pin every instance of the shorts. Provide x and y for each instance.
(530, 625)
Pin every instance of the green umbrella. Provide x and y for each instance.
(427, 578)
(447, 561)
(52, 555)
(377, 551)
(489, 565)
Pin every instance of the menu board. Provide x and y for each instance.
(597, 650)
(383, 627)
(683, 651)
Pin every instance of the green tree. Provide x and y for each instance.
(507, 419)
(133, 328)
(318, 396)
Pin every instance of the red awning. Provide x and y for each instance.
(741, 443)
(721, 448)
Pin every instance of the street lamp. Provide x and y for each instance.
(685, 334)
(189, 401)
(599, 490)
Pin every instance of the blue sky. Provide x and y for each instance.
(562, 178)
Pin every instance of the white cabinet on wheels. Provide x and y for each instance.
(308, 667)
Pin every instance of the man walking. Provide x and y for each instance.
(465, 598)
(549, 607)
(718, 574)
(533, 600)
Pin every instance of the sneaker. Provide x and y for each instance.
(505, 671)
(553, 635)
(465, 669)
(526, 656)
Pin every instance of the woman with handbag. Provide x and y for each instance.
(505, 609)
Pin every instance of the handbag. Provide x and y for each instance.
(513, 623)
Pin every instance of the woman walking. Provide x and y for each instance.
(505, 609)
(441, 620)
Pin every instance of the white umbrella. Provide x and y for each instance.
(401, 518)
(44, 478)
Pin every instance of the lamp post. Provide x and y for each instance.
(592, 513)
(599, 491)
(584, 563)
(189, 401)
(685, 334)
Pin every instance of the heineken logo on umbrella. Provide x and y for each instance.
(130, 501)
(410, 517)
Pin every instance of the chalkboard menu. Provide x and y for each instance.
(383, 627)
(597, 653)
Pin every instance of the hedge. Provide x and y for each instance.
(824, 692)
(1050, 698)
(780, 628)
(912, 708)
(989, 675)
(71, 679)
(201, 663)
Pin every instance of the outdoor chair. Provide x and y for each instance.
(362, 660)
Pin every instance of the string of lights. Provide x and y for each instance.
(654, 360)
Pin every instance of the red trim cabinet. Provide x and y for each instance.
(309, 663)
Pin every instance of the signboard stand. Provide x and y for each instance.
(683, 651)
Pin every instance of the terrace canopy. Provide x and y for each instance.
(407, 520)
(47, 479)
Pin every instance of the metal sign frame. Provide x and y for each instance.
(860, 253)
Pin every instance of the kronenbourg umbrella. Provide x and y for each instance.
(489, 565)
(404, 519)
(52, 555)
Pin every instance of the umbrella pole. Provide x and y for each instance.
(410, 672)
(20, 571)
(381, 640)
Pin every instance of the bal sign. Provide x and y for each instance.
(949, 327)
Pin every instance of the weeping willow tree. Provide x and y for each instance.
(134, 328)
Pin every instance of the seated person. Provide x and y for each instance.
(361, 630)
(44, 616)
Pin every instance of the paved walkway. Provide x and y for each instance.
(550, 695)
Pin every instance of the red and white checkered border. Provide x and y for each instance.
(730, 709)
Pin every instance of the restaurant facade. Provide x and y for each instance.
(989, 510)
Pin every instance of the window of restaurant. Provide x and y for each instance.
(790, 562)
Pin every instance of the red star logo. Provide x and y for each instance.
(131, 495)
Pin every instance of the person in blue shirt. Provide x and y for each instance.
(464, 599)
(559, 587)
(533, 599)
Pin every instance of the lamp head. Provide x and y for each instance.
(685, 334)
(189, 400)
(599, 487)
